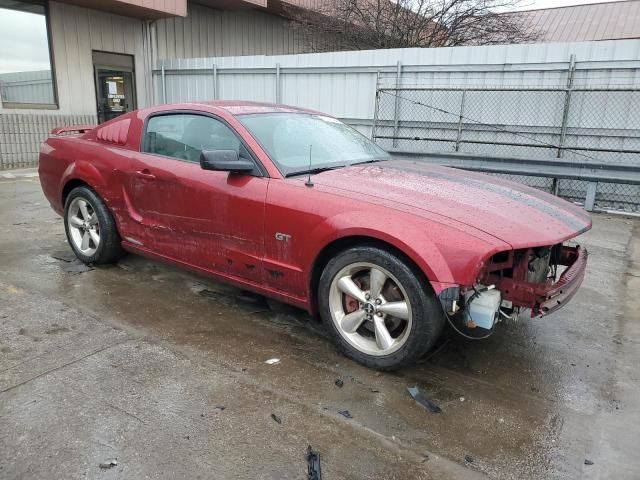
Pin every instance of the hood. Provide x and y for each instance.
(514, 213)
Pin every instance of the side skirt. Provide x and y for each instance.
(300, 302)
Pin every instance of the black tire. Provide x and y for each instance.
(426, 311)
(109, 249)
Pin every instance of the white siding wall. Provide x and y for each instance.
(344, 83)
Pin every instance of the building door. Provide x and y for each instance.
(115, 84)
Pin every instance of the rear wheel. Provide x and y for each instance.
(90, 227)
(380, 311)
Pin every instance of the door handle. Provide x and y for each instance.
(145, 173)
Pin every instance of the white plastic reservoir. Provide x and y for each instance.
(482, 308)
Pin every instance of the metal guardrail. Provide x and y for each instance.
(581, 142)
(552, 168)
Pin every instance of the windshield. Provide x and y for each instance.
(288, 138)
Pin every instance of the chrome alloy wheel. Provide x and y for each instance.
(84, 229)
(370, 309)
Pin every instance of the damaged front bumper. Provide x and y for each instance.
(511, 276)
(545, 297)
(554, 296)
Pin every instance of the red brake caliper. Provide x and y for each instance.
(350, 303)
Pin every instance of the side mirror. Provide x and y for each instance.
(225, 161)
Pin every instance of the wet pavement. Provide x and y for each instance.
(165, 371)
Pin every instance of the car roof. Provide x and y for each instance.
(242, 107)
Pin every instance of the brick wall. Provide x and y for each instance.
(21, 135)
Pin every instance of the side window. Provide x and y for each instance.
(185, 136)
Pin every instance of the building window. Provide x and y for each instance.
(26, 73)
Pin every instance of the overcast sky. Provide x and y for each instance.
(23, 42)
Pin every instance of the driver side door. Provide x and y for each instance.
(211, 220)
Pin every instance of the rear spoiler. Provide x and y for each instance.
(72, 129)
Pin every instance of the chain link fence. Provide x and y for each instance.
(583, 126)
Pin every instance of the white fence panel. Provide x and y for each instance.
(343, 84)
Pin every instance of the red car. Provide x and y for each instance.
(300, 207)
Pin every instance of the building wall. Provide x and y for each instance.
(22, 133)
(76, 31)
(207, 32)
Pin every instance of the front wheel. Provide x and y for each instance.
(378, 308)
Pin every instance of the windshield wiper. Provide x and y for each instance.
(373, 160)
(313, 170)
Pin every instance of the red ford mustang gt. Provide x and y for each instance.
(298, 206)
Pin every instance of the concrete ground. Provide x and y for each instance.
(165, 371)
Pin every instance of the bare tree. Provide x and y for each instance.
(369, 24)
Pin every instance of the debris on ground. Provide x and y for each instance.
(272, 361)
(64, 256)
(75, 267)
(70, 263)
(251, 298)
(313, 469)
(233, 298)
(276, 418)
(419, 397)
(434, 352)
(345, 413)
(109, 464)
(339, 383)
(468, 458)
(278, 307)
(217, 296)
(588, 462)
